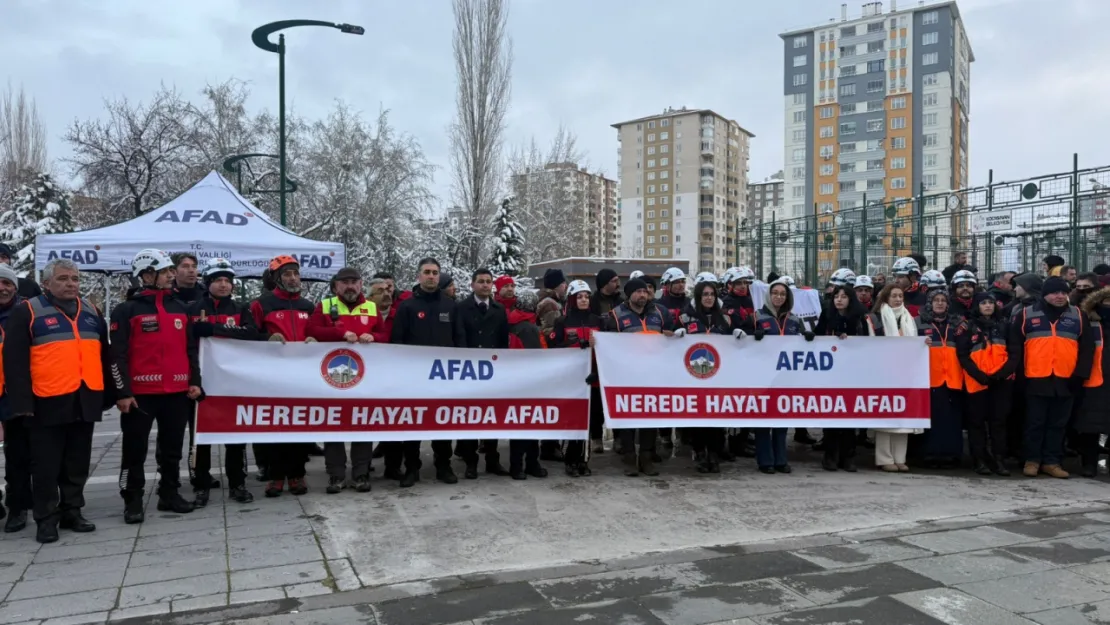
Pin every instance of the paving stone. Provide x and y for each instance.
(845, 585)
(1100, 572)
(166, 571)
(179, 554)
(56, 553)
(624, 612)
(253, 553)
(167, 523)
(49, 587)
(72, 604)
(1040, 591)
(13, 566)
(186, 588)
(750, 567)
(974, 566)
(153, 609)
(1055, 527)
(102, 534)
(787, 544)
(253, 596)
(310, 589)
(874, 552)
(458, 605)
(277, 576)
(956, 608)
(5, 589)
(78, 619)
(280, 525)
(971, 539)
(344, 575)
(880, 611)
(1066, 551)
(24, 542)
(695, 606)
(1083, 614)
(616, 584)
(180, 539)
(74, 568)
(358, 615)
(198, 603)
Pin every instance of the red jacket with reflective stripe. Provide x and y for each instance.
(153, 352)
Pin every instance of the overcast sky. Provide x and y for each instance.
(1039, 87)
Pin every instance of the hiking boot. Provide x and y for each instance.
(517, 472)
(393, 473)
(1089, 471)
(1031, 469)
(133, 509)
(981, 467)
(598, 446)
(471, 472)
(493, 467)
(701, 462)
(647, 467)
(535, 470)
(1054, 470)
(783, 468)
(17, 520)
(240, 494)
(584, 469)
(200, 497)
(999, 467)
(335, 485)
(362, 484)
(848, 465)
(410, 478)
(829, 464)
(174, 503)
(274, 488)
(297, 486)
(630, 467)
(47, 531)
(571, 469)
(447, 476)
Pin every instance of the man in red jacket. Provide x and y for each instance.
(157, 375)
(346, 317)
(282, 315)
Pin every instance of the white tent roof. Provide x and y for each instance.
(210, 220)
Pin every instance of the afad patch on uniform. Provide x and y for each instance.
(342, 368)
(51, 321)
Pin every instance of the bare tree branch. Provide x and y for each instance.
(22, 140)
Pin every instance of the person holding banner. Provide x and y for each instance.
(218, 315)
(865, 291)
(987, 369)
(907, 276)
(427, 318)
(845, 317)
(943, 443)
(776, 318)
(892, 318)
(282, 315)
(157, 377)
(574, 329)
(703, 315)
(637, 316)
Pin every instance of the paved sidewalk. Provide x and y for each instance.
(489, 549)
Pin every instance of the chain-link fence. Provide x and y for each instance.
(1002, 226)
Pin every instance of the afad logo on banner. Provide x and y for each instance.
(342, 368)
(703, 361)
(81, 257)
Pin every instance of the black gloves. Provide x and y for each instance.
(759, 333)
(584, 344)
(808, 336)
(591, 379)
(203, 328)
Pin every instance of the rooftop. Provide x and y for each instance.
(869, 13)
(675, 112)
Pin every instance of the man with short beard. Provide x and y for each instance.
(963, 291)
(346, 317)
(381, 293)
(186, 286)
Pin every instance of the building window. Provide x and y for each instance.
(665, 225)
(875, 164)
(651, 137)
(651, 201)
(801, 42)
(651, 188)
(799, 135)
(875, 46)
(799, 60)
(848, 187)
(928, 39)
(874, 86)
(898, 103)
(874, 125)
(663, 162)
(798, 191)
(664, 149)
(897, 183)
(874, 27)
(847, 70)
(898, 163)
(663, 136)
(663, 251)
(651, 251)
(651, 240)
(799, 172)
(826, 151)
(932, 17)
(929, 99)
(651, 175)
(651, 227)
(847, 128)
(898, 143)
(930, 79)
(664, 213)
(799, 155)
(847, 168)
(799, 117)
(799, 99)
(876, 66)
(826, 131)
(651, 163)
(872, 185)
(848, 51)
(847, 147)
(930, 181)
(664, 187)
(663, 175)
(651, 149)
(929, 139)
(848, 31)
(663, 238)
(800, 79)
(930, 160)
(826, 112)
(826, 170)
(664, 200)
(931, 58)
(826, 188)
(897, 123)
(930, 119)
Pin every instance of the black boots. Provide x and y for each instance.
(47, 530)
(982, 468)
(17, 520)
(446, 475)
(647, 466)
(410, 478)
(240, 494)
(133, 507)
(74, 522)
(174, 503)
(200, 497)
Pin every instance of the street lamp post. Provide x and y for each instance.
(232, 165)
(261, 38)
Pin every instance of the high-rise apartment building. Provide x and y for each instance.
(877, 107)
(683, 183)
(763, 197)
(584, 204)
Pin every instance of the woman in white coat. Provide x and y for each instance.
(892, 318)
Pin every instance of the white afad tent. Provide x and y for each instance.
(211, 220)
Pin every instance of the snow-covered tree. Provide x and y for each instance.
(40, 207)
(508, 244)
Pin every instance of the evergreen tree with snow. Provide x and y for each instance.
(508, 244)
(40, 207)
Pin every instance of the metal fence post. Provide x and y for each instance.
(1074, 238)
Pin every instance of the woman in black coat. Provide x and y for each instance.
(988, 372)
(703, 315)
(573, 329)
(844, 317)
(1094, 414)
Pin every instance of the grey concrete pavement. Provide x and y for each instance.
(680, 548)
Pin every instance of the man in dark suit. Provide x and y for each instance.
(486, 325)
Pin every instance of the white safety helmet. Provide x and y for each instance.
(787, 280)
(864, 281)
(216, 267)
(635, 274)
(705, 276)
(744, 273)
(842, 276)
(578, 286)
(963, 275)
(905, 266)
(933, 279)
(674, 274)
(150, 260)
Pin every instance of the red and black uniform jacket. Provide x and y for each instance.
(675, 305)
(915, 298)
(224, 318)
(331, 328)
(523, 331)
(573, 329)
(284, 313)
(740, 310)
(153, 348)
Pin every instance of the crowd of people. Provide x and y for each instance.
(1017, 363)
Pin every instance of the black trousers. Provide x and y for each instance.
(1015, 421)
(286, 460)
(988, 412)
(707, 440)
(1088, 449)
(172, 414)
(840, 444)
(576, 449)
(17, 463)
(468, 449)
(261, 455)
(523, 453)
(235, 466)
(61, 455)
(409, 451)
(1046, 419)
(628, 439)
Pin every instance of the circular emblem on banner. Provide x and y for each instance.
(177, 324)
(702, 361)
(342, 368)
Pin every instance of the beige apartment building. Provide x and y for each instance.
(683, 186)
(583, 202)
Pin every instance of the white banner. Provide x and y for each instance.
(781, 381)
(807, 302)
(338, 392)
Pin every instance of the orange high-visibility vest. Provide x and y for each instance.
(944, 363)
(64, 352)
(1051, 349)
(990, 357)
(1095, 379)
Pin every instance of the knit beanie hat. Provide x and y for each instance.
(605, 276)
(7, 273)
(1053, 260)
(634, 285)
(552, 278)
(445, 280)
(500, 283)
(1055, 284)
